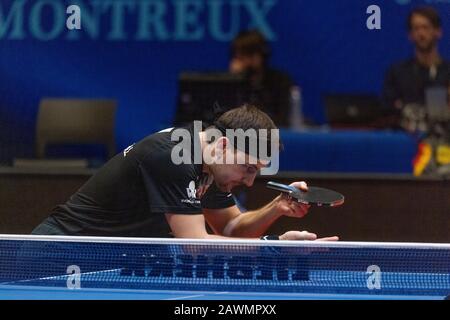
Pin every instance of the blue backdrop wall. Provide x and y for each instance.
(133, 50)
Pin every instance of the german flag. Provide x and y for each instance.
(422, 158)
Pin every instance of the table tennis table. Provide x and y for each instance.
(96, 268)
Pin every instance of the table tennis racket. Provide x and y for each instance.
(315, 195)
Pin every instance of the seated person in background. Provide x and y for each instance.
(407, 81)
(269, 88)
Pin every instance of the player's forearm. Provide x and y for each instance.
(253, 223)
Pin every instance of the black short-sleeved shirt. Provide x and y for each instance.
(131, 193)
(407, 81)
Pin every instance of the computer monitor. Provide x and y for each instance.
(352, 110)
(199, 92)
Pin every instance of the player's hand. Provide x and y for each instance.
(305, 235)
(287, 206)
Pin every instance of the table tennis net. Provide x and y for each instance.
(239, 266)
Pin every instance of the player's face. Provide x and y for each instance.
(242, 172)
(423, 34)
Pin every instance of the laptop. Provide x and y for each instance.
(436, 103)
(352, 110)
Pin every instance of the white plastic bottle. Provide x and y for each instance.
(296, 118)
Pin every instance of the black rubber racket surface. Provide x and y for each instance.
(315, 195)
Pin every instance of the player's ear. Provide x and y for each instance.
(222, 144)
(226, 150)
(439, 33)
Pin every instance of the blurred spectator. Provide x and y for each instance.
(406, 82)
(270, 88)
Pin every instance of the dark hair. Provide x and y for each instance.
(428, 12)
(245, 118)
(250, 42)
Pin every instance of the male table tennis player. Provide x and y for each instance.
(141, 193)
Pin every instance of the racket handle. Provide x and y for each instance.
(281, 187)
